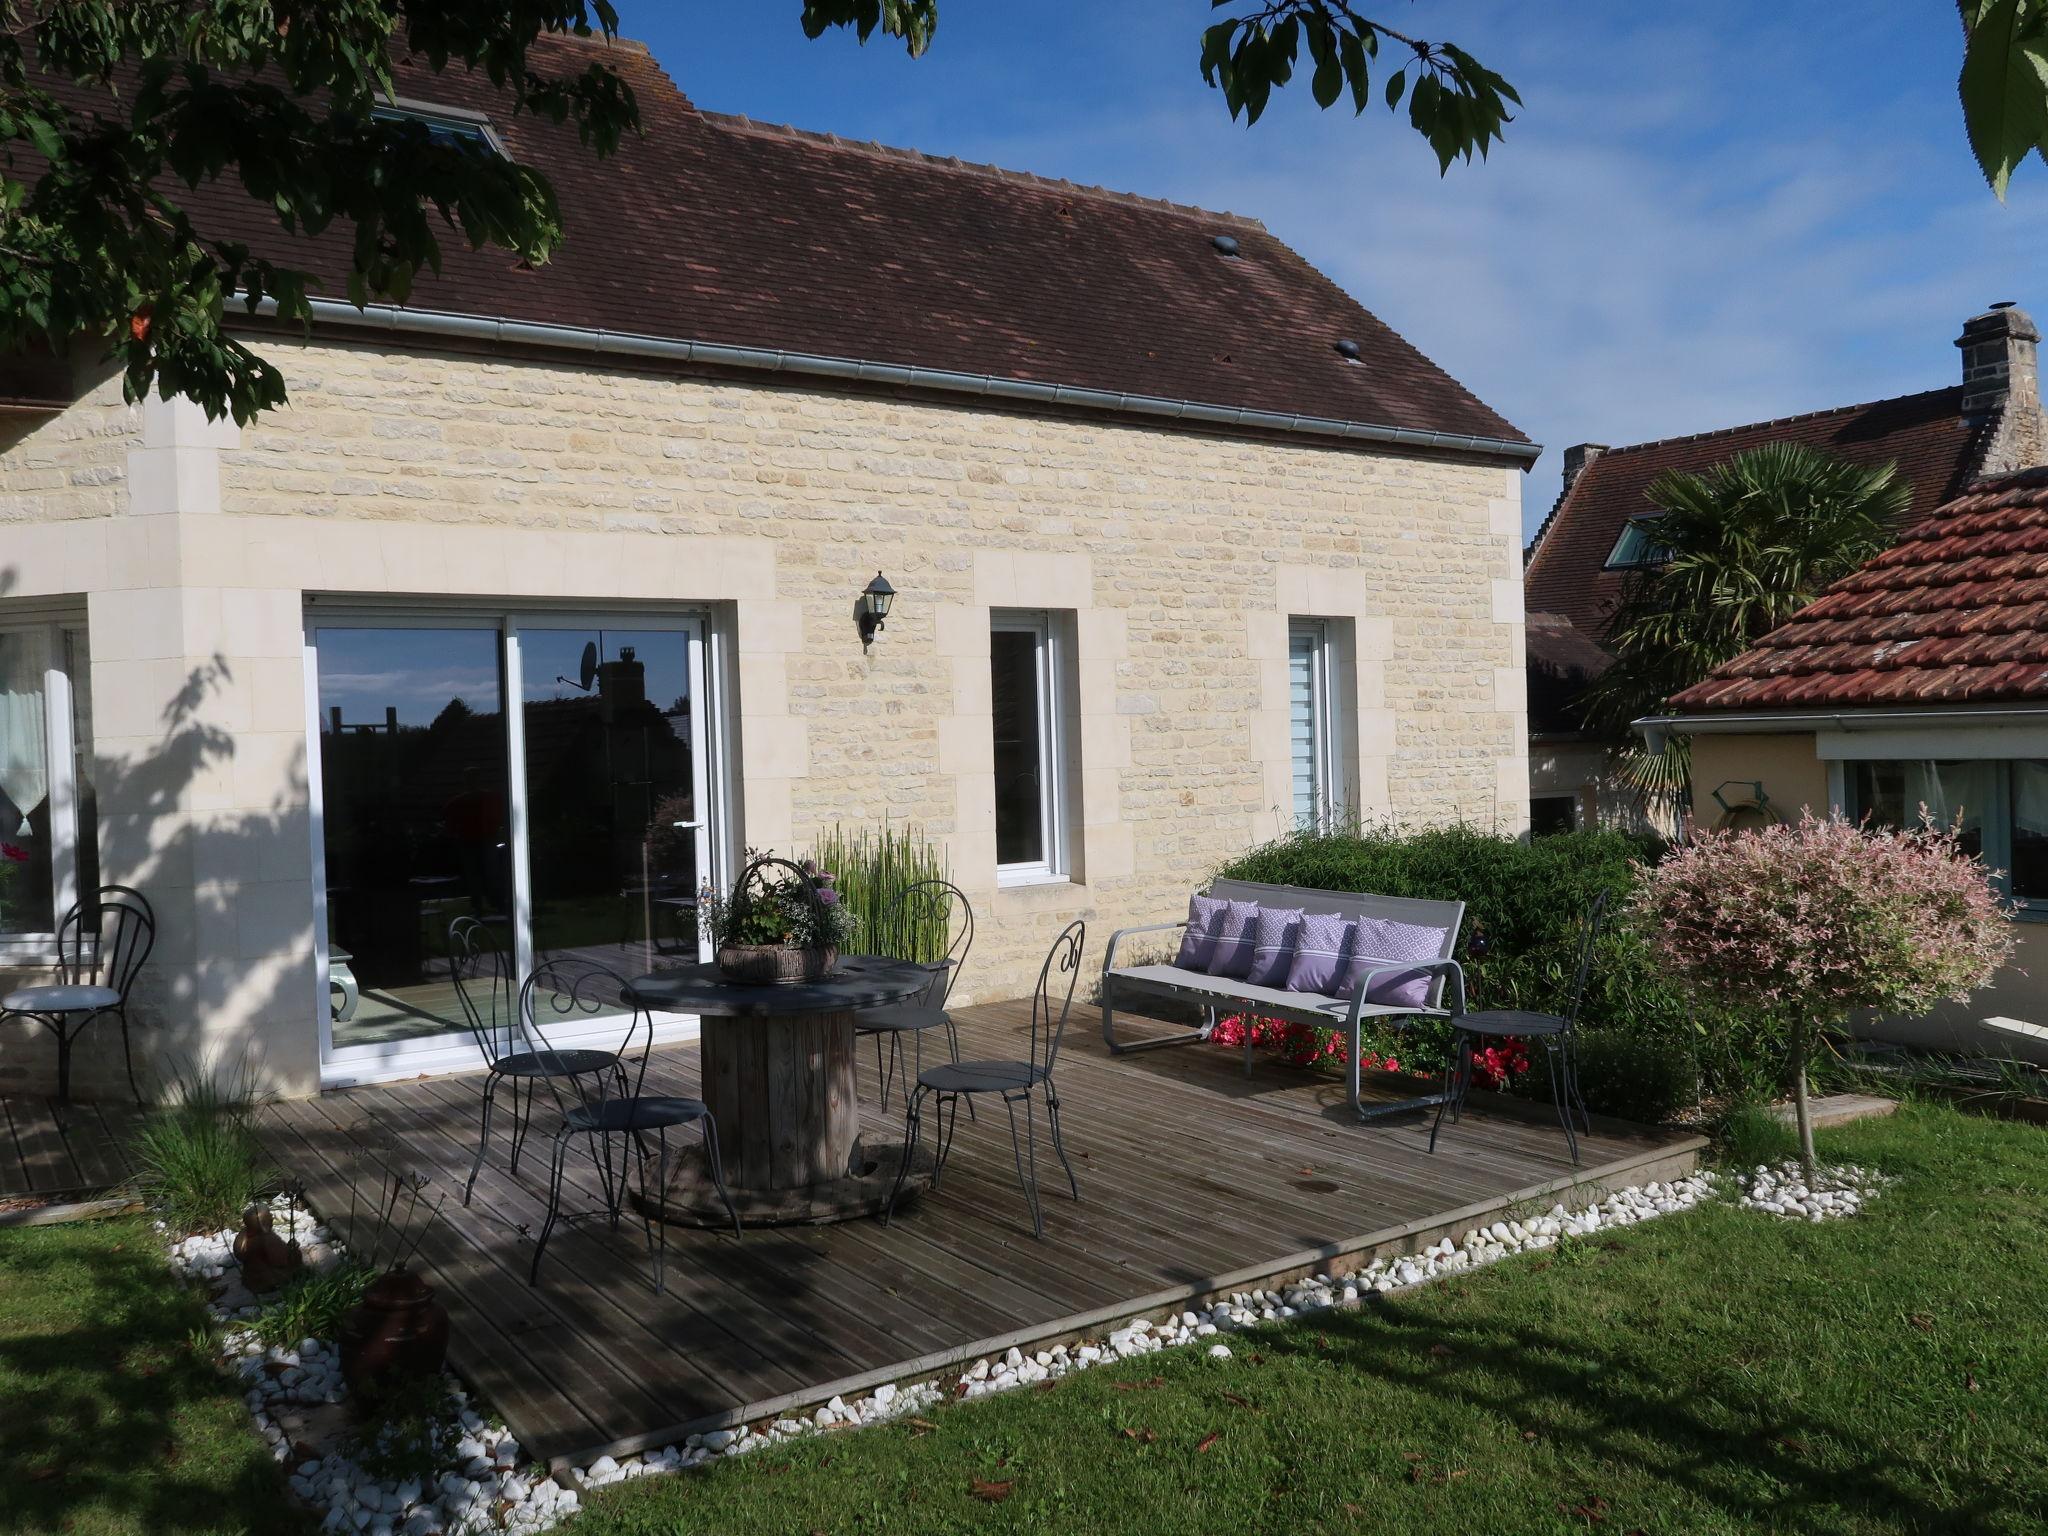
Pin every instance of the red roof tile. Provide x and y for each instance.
(716, 229)
(1925, 435)
(1955, 613)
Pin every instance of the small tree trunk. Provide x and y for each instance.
(1803, 1110)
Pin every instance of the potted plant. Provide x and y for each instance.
(399, 1331)
(780, 924)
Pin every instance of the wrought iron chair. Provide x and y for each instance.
(484, 988)
(1016, 1082)
(927, 900)
(601, 1106)
(1553, 1030)
(102, 944)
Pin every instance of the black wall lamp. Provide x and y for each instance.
(872, 608)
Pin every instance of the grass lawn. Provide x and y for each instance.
(110, 1420)
(1718, 1371)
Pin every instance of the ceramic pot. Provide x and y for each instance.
(398, 1330)
(267, 1260)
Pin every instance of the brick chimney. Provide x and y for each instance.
(2002, 377)
(1577, 457)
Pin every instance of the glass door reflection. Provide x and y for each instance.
(615, 832)
(413, 769)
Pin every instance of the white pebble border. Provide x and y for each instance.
(489, 1486)
(1838, 1189)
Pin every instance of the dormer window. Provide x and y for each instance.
(445, 125)
(1638, 547)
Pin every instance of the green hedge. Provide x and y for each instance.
(1529, 898)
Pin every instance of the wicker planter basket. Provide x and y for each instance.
(774, 965)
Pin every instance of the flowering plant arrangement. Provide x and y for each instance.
(1300, 1045)
(1804, 924)
(779, 903)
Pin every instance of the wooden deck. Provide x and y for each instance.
(1193, 1180)
(48, 1153)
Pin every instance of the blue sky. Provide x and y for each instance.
(1702, 217)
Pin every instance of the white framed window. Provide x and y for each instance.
(1312, 760)
(1027, 675)
(49, 846)
(1999, 807)
(1638, 546)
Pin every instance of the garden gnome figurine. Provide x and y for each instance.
(267, 1260)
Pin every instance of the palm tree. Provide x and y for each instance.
(1744, 546)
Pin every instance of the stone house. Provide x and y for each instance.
(537, 602)
(1602, 527)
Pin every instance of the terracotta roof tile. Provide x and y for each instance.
(1955, 613)
(1925, 435)
(723, 230)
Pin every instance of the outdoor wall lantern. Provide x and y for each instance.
(872, 608)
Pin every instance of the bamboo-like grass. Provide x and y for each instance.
(873, 868)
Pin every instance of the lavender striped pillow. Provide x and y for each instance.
(1318, 949)
(1378, 941)
(1198, 942)
(1274, 932)
(1233, 956)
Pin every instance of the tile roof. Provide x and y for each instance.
(1925, 435)
(1955, 613)
(717, 229)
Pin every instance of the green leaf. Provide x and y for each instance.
(2004, 88)
(1397, 82)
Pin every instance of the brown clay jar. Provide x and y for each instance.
(397, 1330)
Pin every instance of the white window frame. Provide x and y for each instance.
(1653, 553)
(1049, 667)
(455, 1051)
(1324, 763)
(60, 770)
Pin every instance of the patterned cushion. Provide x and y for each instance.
(1377, 940)
(1233, 956)
(1274, 932)
(1198, 942)
(1318, 949)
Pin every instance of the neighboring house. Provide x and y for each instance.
(1603, 526)
(1922, 679)
(537, 602)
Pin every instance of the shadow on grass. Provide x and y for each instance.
(110, 1418)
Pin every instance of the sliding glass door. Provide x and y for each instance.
(544, 775)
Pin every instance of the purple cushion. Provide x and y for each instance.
(1233, 956)
(1377, 940)
(1198, 943)
(1273, 934)
(1319, 947)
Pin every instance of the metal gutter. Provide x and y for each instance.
(398, 320)
(1658, 729)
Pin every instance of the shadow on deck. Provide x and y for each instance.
(1193, 1180)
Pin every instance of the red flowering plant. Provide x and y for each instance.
(1805, 924)
(1300, 1045)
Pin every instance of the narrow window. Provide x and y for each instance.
(48, 826)
(1311, 736)
(1025, 678)
(451, 126)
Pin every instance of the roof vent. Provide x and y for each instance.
(2004, 304)
(1226, 245)
(1348, 350)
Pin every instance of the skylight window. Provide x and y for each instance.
(444, 125)
(1638, 546)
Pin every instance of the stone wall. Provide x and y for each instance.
(1177, 555)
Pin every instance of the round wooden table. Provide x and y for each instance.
(778, 1072)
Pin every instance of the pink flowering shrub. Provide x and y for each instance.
(1805, 924)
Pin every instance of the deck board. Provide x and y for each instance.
(1192, 1177)
(49, 1151)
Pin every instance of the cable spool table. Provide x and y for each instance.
(778, 1073)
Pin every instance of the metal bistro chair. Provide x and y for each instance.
(101, 946)
(1015, 1081)
(1554, 1030)
(892, 1021)
(603, 1106)
(482, 973)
